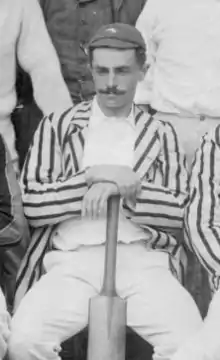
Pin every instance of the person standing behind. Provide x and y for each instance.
(182, 84)
(71, 24)
(24, 38)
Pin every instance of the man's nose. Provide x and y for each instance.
(111, 79)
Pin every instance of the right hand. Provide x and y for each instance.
(95, 200)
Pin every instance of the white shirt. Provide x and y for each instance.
(23, 35)
(183, 38)
(109, 141)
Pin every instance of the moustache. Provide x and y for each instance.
(111, 91)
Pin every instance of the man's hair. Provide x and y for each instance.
(139, 52)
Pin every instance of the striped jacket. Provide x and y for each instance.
(53, 185)
(202, 219)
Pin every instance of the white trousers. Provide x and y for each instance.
(4, 326)
(204, 345)
(159, 309)
(189, 129)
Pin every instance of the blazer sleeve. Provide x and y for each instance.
(161, 203)
(202, 218)
(49, 196)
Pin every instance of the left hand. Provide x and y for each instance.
(124, 177)
(95, 200)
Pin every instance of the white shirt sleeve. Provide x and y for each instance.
(146, 23)
(37, 56)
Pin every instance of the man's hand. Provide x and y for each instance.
(124, 177)
(95, 200)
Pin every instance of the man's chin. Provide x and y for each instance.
(111, 100)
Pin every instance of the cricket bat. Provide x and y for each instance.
(107, 311)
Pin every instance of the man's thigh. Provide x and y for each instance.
(161, 311)
(54, 309)
(205, 344)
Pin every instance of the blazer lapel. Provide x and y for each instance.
(147, 144)
(75, 140)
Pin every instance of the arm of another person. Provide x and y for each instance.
(203, 209)
(14, 231)
(37, 56)
(146, 24)
(49, 196)
(160, 204)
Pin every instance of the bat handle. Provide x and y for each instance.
(108, 288)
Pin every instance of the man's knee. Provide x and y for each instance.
(4, 326)
(4, 337)
(27, 346)
(20, 347)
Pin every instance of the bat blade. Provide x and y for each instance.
(107, 328)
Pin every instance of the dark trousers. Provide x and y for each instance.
(26, 119)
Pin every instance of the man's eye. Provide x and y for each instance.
(123, 71)
(102, 71)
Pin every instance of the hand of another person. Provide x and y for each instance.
(124, 177)
(95, 200)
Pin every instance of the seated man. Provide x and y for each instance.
(77, 160)
(12, 231)
(203, 233)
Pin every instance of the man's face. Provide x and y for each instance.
(116, 74)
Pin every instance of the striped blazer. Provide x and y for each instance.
(53, 185)
(202, 219)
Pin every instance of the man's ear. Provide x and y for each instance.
(143, 71)
(90, 68)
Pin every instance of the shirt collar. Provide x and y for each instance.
(98, 115)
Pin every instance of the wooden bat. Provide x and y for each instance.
(107, 311)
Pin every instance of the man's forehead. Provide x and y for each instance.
(113, 57)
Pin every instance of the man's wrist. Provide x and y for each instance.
(104, 181)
